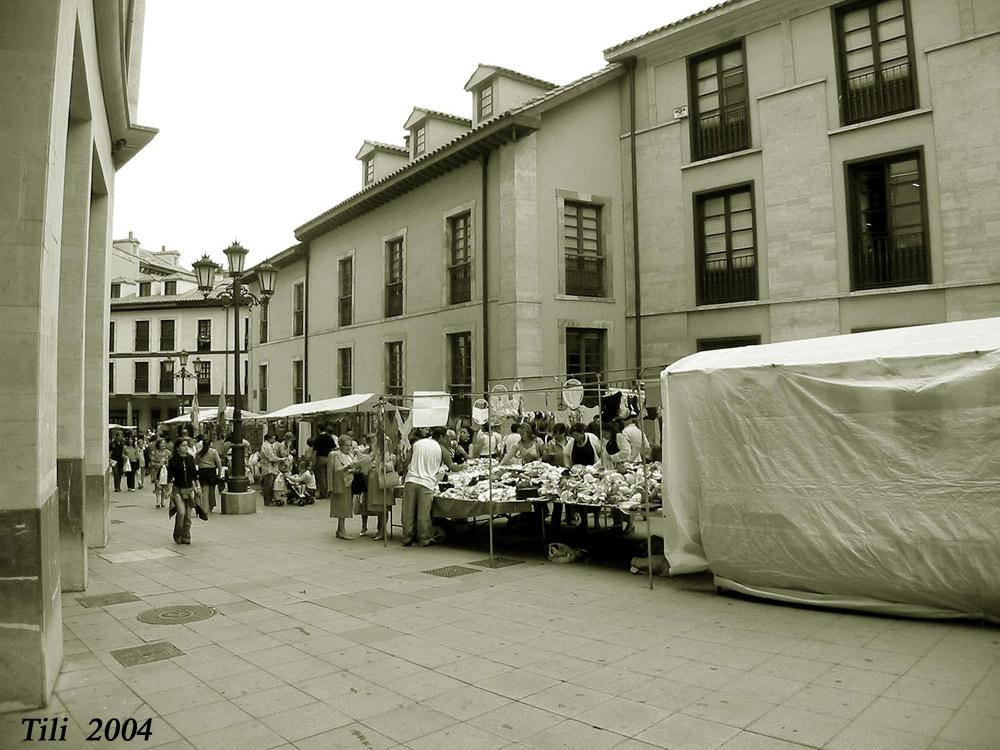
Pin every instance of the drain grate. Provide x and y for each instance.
(176, 615)
(128, 506)
(498, 562)
(115, 520)
(103, 600)
(146, 654)
(451, 571)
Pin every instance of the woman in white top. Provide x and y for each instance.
(617, 448)
(528, 448)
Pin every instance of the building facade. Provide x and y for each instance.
(157, 314)
(808, 168)
(485, 250)
(69, 72)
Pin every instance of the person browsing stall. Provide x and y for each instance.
(421, 483)
(527, 448)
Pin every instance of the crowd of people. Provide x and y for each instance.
(356, 474)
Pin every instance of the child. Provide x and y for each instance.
(302, 485)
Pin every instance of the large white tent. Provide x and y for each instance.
(352, 402)
(859, 471)
(210, 414)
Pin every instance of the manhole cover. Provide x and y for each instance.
(103, 600)
(148, 652)
(176, 615)
(451, 571)
(498, 562)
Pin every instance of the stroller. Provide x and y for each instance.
(298, 494)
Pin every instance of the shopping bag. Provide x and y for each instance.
(563, 553)
(388, 480)
(126, 466)
(162, 477)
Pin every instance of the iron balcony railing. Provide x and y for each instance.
(732, 280)
(721, 133)
(892, 260)
(460, 283)
(344, 310)
(394, 299)
(878, 93)
(584, 276)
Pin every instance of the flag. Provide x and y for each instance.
(221, 431)
(194, 415)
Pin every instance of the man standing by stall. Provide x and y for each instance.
(323, 445)
(421, 483)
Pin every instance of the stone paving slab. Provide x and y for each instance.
(325, 643)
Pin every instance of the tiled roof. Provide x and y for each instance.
(445, 116)
(388, 147)
(514, 74)
(673, 24)
(191, 296)
(416, 163)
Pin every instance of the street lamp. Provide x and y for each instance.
(236, 294)
(183, 375)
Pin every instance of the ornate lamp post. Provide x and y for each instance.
(237, 294)
(183, 375)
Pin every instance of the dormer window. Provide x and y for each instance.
(170, 287)
(486, 102)
(145, 288)
(369, 166)
(419, 140)
(116, 290)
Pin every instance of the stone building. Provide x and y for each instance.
(809, 168)
(69, 74)
(484, 249)
(158, 315)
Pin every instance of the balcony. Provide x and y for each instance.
(394, 299)
(878, 94)
(721, 133)
(344, 310)
(460, 283)
(899, 260)
(728, 281)
(584, 275)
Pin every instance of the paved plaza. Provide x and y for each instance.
(318, 643)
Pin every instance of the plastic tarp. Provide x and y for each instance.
(857, 471)
(211, 416)
(352, 402)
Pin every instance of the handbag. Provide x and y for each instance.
(162, 478)
(388, 480)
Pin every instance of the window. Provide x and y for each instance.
(116, 290)
(394, 277)
(246, 333)
(729, 342)
(263, 323)
(460, 373)
(141, 377)
(888, 236)
(874, 60)
(584, 249)
(727, 255)
(145, 288)
(420, 140)
(346, 299)
(111, 337)
(369, 169)
(203, 370)
(460, 258)
(166, 376)
(166, 335)
(298, 382)
(394, 368)
(111, 377)
(298, 309)
(204, 335)
(720, 122)
(486, 102)
(345, 366)
(170, 287)
(585, 358)
(262, 388)
(142, 336)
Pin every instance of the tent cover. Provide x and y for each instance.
(353, 402)
(858, 471)
(210, 414)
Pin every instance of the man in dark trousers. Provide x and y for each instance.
(323, 445)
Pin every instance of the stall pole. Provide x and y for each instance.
(380, 447)
(489, 468)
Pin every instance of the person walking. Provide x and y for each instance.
(183, 476)
(270, 465)
(340, 476)
(158, 457)
(421, 483)
(209, 464)
(131, 462)
(140, 474)
(116, 453)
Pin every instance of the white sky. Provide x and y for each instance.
(262, 105)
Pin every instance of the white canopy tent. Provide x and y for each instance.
(209, 414)
(353, 402)
(857, 471)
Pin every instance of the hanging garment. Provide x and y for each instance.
(610, 406)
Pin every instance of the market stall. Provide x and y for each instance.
(855, 471)
(212, 415)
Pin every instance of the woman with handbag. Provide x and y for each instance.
(131, 462)
(340, 476)
(209, 464)
(382, 481)
(183, 476)
(158, 457)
